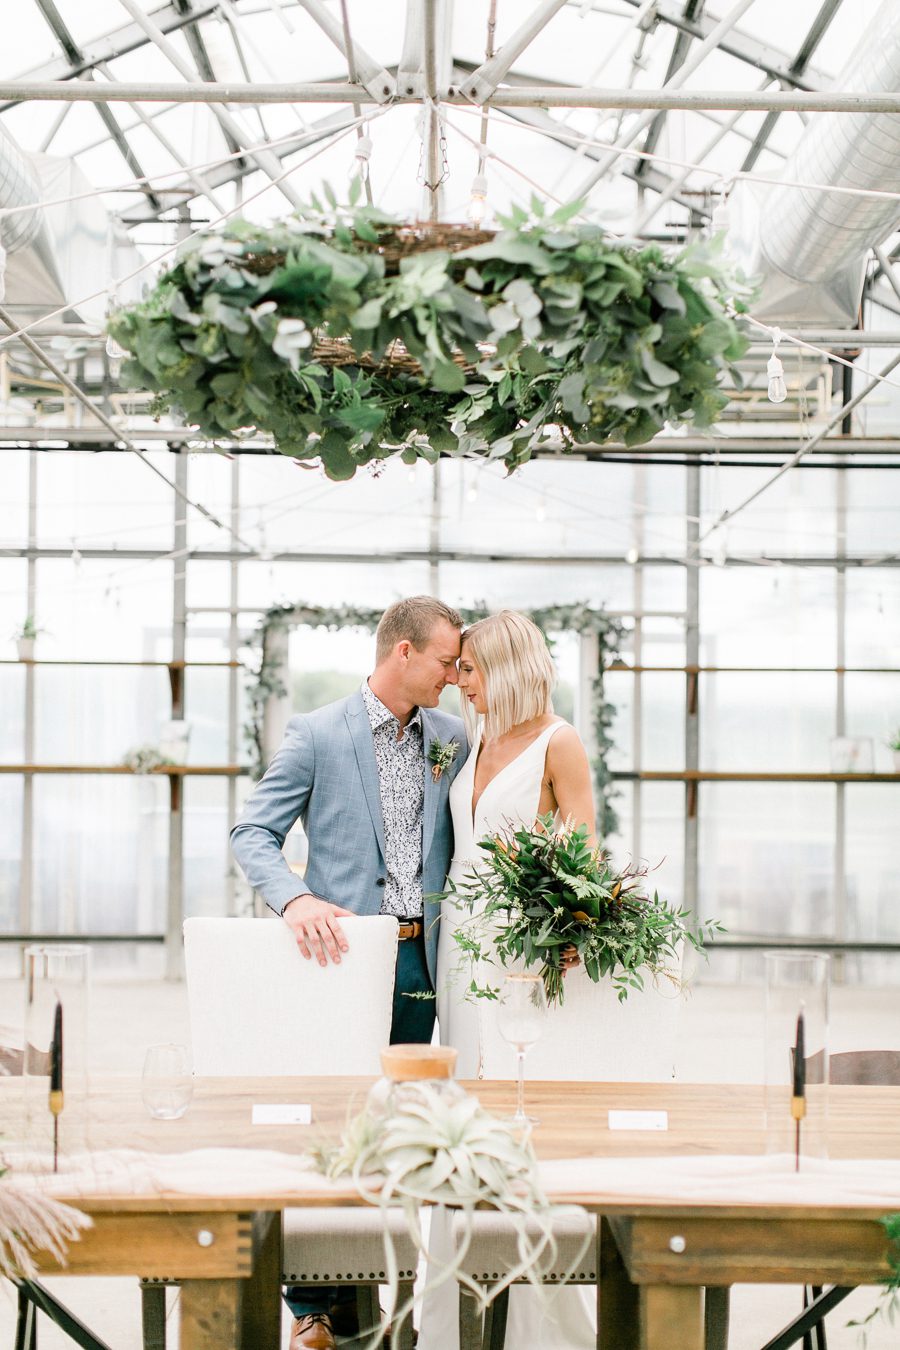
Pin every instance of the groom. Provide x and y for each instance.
(380, 838)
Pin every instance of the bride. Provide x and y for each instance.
(524, 762)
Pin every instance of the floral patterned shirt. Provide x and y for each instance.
(401, 782)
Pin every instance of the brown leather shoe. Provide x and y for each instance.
(344, 1319)
(312, 1332)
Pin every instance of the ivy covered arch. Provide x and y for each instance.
(583, 619)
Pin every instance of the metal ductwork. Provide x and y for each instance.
(57, 253)
(809, 247)
(18, 187)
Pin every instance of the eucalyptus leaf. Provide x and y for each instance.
(556, 323)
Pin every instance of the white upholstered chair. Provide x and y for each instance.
(591, 1037)
(257, 1008)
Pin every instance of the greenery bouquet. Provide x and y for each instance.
(539, 891)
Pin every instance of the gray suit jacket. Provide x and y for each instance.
(325, 773)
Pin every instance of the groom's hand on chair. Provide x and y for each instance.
(315, 926)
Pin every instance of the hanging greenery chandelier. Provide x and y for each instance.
(350, 337)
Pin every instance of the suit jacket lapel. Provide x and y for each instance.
(432, 789)
(361, 736)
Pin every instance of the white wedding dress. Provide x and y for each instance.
(566, 1320)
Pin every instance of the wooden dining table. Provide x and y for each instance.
(657, 1252)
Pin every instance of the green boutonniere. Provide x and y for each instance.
(441, 756)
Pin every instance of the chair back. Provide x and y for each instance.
(257, 1008)
(594, 1037)
(872, 1068)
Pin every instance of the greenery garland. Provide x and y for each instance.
(350, 337)
(577, 618)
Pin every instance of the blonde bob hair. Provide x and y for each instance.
(516, 669)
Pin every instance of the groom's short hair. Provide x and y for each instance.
(412, 620)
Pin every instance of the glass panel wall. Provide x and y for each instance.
(794, 651)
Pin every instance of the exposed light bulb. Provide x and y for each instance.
(2, 273)
(472, 494)
(76, 554)
(540, 514)
(631, 556)
(721, 217)
(362, 154)
(478, 199)
(777, 386)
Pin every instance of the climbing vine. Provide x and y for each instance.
(552, 619)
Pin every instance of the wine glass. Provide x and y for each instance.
(520, 1021)
(166, 1083)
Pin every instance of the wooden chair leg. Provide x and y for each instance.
(715, 1315)
(402, 1332)
(495, 1322)
(153, 1316)
(469, 1323)
(367, 1307)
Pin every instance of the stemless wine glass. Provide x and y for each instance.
(520, 1021)
(166, 1083)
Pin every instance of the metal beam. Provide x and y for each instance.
(197, 49)
(371, 74)
(200, 184)
(399, 556)
(60, 31)
(693, 10)
(679, 183)
(709, 43)
(236, 169)
(652, 177)
(482, 84)
(741, 45)
(114, 44)
(812, 444)
(536, 96)
(232, 129)
(106, 438)
(797, 67)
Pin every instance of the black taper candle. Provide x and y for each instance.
(798, 1096)
(56, 1078)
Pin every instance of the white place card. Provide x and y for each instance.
(638, 1120)
(276, 1113)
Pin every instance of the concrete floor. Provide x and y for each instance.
(721, 1041)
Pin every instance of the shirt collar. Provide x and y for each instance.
(379, 715)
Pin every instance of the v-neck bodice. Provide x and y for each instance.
(512, 796)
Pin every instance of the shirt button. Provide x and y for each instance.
(380, 881)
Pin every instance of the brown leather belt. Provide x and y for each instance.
(411, 929)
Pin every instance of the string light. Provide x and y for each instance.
(775, 371)
(720, 221)
(362, 154)
(114, 350)
(2, 273)
(631, 556)
(478, 199)
(719, 551)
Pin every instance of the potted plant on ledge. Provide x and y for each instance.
(25, 638)
(894, 744)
